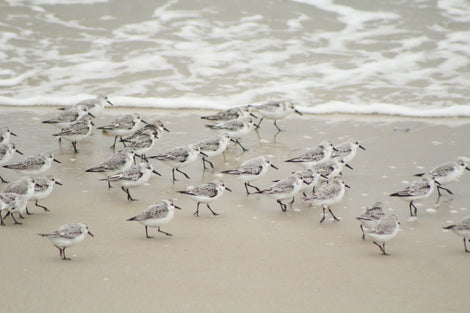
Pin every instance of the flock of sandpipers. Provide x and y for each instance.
(321, 173)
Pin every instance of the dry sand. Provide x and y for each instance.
(252, 257)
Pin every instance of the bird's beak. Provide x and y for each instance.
(348, 166)
(144, 122)
(325, 177)
(155, 172)
(467, 168)
(110, 102)
(298, 112)
(274, 166)
(362, 147)
(177, 207)
(89, 233)
(203, 153)
(346, 186)
(19, 152)
(252, 115)
(228, 189)
(334, 149)
(437, 182)
(166, 129)
(92, 124)
(58, 183)
(57, 161)
(13, 133)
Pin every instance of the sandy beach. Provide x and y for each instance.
(252, 257)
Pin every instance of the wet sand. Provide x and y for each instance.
(252, 257)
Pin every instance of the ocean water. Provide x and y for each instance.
(404, 57)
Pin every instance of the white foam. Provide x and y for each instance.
(328, 57)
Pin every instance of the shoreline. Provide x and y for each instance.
(252, 257)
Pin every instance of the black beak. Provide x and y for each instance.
(362, 147)
(57, 161)
(58, 183)
(12, 133)
(348, 166)
(144, 122)
(437, 182)
(177, 207)
(467, 168)
(89, 233)
(166, 129)
(155, 172)
(274, 166)
(346, 186)
(326, 177)
(252, 115)
(92, 124)
(19, 152)
(109, 102)
(298, 112)
(334, 149)
(91, 115)
(203, 153)
(228, 189)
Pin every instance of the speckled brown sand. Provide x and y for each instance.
(252, 257)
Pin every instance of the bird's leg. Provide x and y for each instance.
(211, 209)
(278, 129)
(41, 206)
(185, 175)
(16, 222)
(465, 245)
(363, 234)
(63, 255)
(259, 123)
(168, 234)
(113, 146)
(283, 206)
(147, 232)
(197, 209)
(335, 218)
(74, 144)
(250, 185)
(204, 161)
(237, 141)
(323, 218)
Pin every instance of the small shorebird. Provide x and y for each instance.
(67, 235)
(329, 168)
(69, 116)
(123, 126)
(12, 203)
(213, 146)
(447, 173)
(206, 193)
(156, 127)
(157, 215)
(314, 155)
(34, 165)
(384, 230)
(236, 129)
(134, 176)
(76, 132)
(230, 114)
(327, 194)
(251, 170)
(285, 189)
(275, 110)
(142, 142)
(5, 133)
(347, 150)
(120, 161)
(7, 150)
(309, 179)
(94, 105)
(370, 217)
(43, 187)
(462, 228)
(419, 189)
(179, 157)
